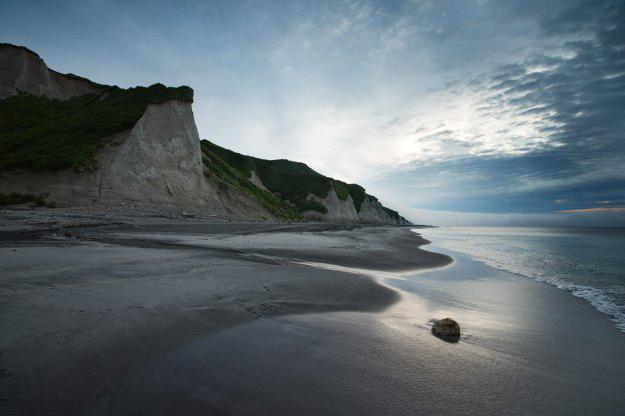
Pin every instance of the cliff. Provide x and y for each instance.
(137, 148)
(75, 143)
(300, 190)
(22, 70)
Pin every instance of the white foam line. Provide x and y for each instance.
(598, 298)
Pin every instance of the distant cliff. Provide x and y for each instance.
(78, 143)
(22, 70)
(298, 190)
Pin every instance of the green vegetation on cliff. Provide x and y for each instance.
(42, 134)
(393, 214)
(357, 192)
(216, 166)
(292, 182)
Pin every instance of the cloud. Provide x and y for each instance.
(455, 218)
(475, 106)
(592, 210)
(545, 129)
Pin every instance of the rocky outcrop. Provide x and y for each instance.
(255, 180)
(22, 70)
(339, 210)
(158, 162)
(372, 211)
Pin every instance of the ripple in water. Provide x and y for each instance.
(587, 262)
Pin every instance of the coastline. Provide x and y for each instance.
(519, 354)
(579, 260)
(186, 316)
(88, 300)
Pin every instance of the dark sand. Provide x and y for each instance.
(82, 313)
(161, 317)
(526, 349)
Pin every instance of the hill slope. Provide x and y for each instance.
(300, 190)
(69, 141)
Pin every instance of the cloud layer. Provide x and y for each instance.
(545, 133)
(480, 106)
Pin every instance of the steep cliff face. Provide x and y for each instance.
(159, 160)
(159, 165)
(22, 70)
(372, 211)
(156, 165)
(155, 162)
(339, 210)
(336, 209)
(78, 143)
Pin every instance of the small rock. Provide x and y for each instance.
(70, 234)
(447, 329)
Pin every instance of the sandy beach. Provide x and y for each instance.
(112, 315)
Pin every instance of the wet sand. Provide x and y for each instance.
(88, 301)
(180, 317)
(527, 349)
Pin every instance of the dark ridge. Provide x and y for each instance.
(68, 75)
(24, 48)
(79, 78)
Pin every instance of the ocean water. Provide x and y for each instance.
(587, 262)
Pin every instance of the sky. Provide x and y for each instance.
(474, 112)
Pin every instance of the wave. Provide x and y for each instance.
(502, 256)
(598, 298)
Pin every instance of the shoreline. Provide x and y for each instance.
(168, 316)
(514, 344)
(87, 302)
(603, 301)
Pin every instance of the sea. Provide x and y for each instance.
(587, 262)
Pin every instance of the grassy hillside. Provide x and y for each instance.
(42, 134)
(291, 181)
(214, 165)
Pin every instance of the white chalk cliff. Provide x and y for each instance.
(155, 165)
(371, 210)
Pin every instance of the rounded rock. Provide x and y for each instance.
(446, 328)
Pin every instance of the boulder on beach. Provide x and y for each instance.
(446, 328)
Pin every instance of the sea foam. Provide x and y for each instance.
(584, 262)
